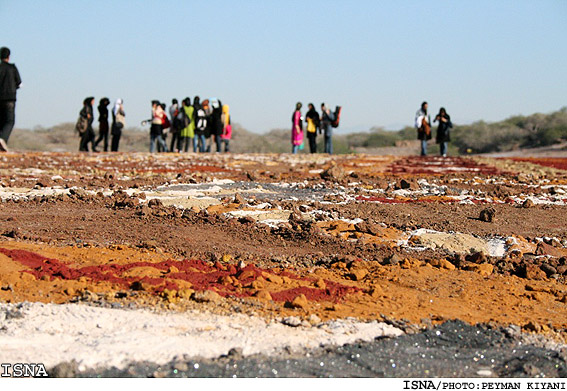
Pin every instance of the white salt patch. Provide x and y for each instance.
(496, 247)
(95, 337)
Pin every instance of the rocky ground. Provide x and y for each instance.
(278, 263)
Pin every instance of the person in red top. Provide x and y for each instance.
(156, 130)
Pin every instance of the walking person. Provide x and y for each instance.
(118, 123)
(327, 119)
(201, 125)
(156, 129)
(175, 128)
(103, 123)
(88, 135)
(187, 133)
(423, 126)
(296, 129)
(443, 131)
(227, 128)
(313, 123)
(10, 81)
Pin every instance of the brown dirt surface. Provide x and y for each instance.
(370, 237)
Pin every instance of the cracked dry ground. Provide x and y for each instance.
(417, 240)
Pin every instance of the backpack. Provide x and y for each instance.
(311, 128)
(336, 121)
(81, 125)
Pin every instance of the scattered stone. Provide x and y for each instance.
(547, 249)
(263, 295)
(246, 220)
(155, 203)
(251, 176)
(406, 185)
(300, 302)
(245, 274)
(273, 278)
(376, 291)
(528, 203)
(78, 193)
(484, 269)
(548, 269)
(320, 283)
(478, 257)
(149, 244)
(335, 173)
(238, 199)
(531, 272)
(185, 293)
(293, 321)
(69, 291)
(65, 369)
(358, 275)
(442, 264)
(137, 286)
(393, 260)
(207, 297)
(488, 215)
(532, 326)
(12, 233)
(314, 319)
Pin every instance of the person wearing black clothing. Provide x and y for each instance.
(443, 135)
(117, 124)
(327, 119)
(103, 123)
(216, 124)
(313, 121)
(10, 81)
(88, 135)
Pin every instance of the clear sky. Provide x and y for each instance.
(481, 59)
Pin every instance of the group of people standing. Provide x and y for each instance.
(194, 125)
(423, 126)
(315, 123)
(87, 134)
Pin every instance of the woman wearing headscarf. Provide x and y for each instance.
(313, 120)
(423, 126)
(443, 136)
(227, 128)
(103, 123)
(296, 129)
(187, 134)
(216, 122)
(201, 124)
(118, 123)
(156, 130)
(88, 135)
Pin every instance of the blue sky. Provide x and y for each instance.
(378, 59)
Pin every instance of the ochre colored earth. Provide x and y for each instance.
(369, 237)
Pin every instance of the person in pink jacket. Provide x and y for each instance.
(296, 129)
